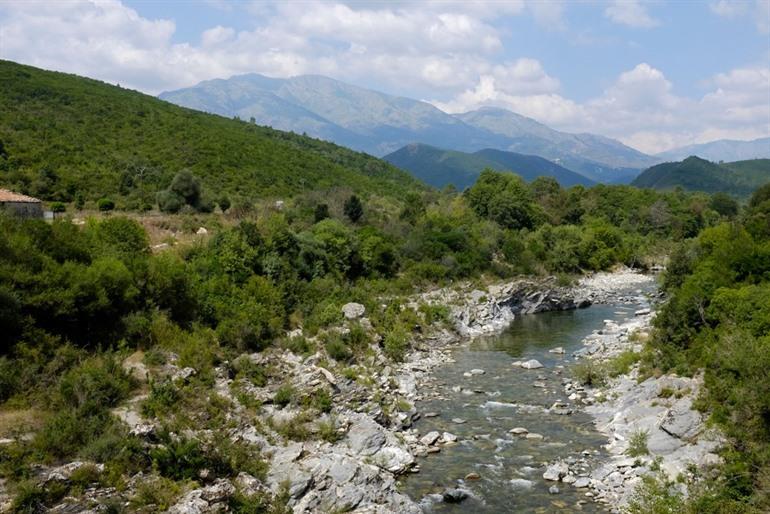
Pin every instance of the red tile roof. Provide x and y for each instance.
(10, 196)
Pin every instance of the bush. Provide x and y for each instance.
(353, 209)
(105, 204)
(395, 344)
(589, 373)
(284, 395)
(337, 349)
(58, 207)
(637, 444)
(179, 459)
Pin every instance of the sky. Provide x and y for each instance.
(654, 74)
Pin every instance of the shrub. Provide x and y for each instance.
(396, 344)
(337, 349)
(250, 370)
(105, 204)
(353, 209)
(284, 395)
(58, 207)
(179, 459)
(589, 373)
(163, 398)
(637, 444)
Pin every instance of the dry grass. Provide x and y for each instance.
(15, 422)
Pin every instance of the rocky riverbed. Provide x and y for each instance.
(352, 457)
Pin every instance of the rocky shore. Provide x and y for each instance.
(651, 425)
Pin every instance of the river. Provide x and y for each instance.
(510, 467)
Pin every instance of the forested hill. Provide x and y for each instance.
(440, 167)
(695, 174)
(63, 135)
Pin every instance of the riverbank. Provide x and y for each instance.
(650, 425)
(350, 455)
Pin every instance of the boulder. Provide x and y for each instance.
(556, 471)
(682, 422)
(430, 438)
(531, 364)
(454, 495)
(353, 310)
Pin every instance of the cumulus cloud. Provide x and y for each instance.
(631, 13)
(640, 108)
(453, 49)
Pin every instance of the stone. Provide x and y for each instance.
(641, 312)
(353, 310)
(519, 431)
(521, 483)
(472, 476)
(553, 489)
(430, 438)
(531, 364)
(681, 421)
(454, 495)
(533, 435)
(205, 500)
(431, 414)
(477, 371)
(459, 421)
(448, 437)
(581, 482)
(202, 231)
(558, 350)
(556, 471)
(394, 459)
(366, 437)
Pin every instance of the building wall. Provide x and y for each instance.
(23, 209)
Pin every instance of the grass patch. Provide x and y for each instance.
(637, 445)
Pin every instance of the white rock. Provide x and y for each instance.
(353, 310)
(531, 364)
(519, 431)
(202, 231)
(430, 438)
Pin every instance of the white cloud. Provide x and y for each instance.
(759, 10)
(631, 13)
(640, 108)
(452, 49)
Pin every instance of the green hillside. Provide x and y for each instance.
(439, 167)
(695, 174)
(62, 136)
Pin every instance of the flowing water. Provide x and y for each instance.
(511, 467)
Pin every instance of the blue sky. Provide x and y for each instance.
(654, 74)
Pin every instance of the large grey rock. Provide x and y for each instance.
(531, 364)
(366, 437)
(556, 471)
(206, 500)
(682, 422)
(394, 459)
(454, 495)
(353, 310)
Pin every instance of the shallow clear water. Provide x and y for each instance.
(503, 398)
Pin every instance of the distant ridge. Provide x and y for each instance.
(726, 150)
(379, 124)
(439, 167)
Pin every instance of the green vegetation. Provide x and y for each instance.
(439, 167)
(637, 445)
(718, 320)
(695, 174)
(102, 140)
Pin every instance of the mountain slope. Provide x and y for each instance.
(356, 117)
(66, 135)
(442, 167)
(696, 174)
(378, 123)
(722, 150)
(597, 157)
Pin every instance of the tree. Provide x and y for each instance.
(58, 207)
(724, 204)
(321, 212)
(353, 209)
(187, 186)
(224, 203)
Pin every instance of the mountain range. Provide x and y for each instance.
(379, 124)
(439, 167)
(727, 150)
(739, 178)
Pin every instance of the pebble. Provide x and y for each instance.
(533, 435)
(459, 421)
(553, 489)
(519, 431)
(531, 364)
(477, 371)
(472, 476)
